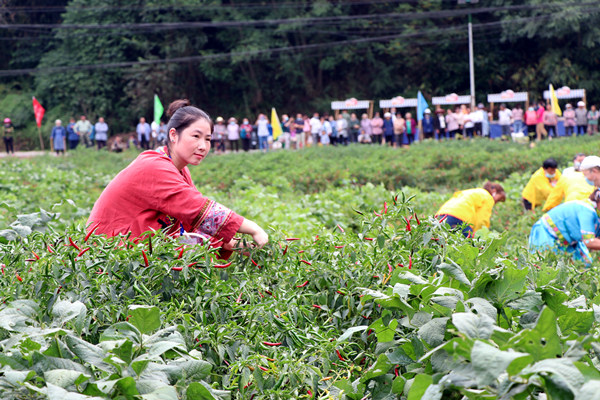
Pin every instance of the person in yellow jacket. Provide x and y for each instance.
(471, 209)
(540, 184)
(572, 186)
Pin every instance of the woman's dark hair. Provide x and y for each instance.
(550, 163)
(182, 114)
(495, 187)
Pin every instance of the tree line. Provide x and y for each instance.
(240, 57)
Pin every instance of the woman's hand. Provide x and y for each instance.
(258, 234)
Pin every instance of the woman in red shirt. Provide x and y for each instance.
(156, 192)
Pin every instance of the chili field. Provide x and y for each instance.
(360, 294)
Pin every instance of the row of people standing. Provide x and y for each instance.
(63, 137)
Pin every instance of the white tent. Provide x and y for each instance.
(353, 104)
(451, 99)
(566, 92)
(398, 102)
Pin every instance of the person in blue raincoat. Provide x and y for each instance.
(572, 227)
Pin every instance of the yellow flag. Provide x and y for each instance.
(554, 102)
(275, 124)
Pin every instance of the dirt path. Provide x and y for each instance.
(24, 154)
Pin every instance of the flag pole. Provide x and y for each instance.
(40, 135)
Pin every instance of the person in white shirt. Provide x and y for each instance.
(341, 126)
(469, 124)
(315, 128)
(101, 133)
(505, 120)
(477, 118)
(233, 134)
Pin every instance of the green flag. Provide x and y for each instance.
(158, 109)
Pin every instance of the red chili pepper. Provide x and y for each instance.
(224, 265)
(262, 296)
(339, 247)
(285, 251)
(19, 277)
(263, 368)
(396, 371)
(177, 269)
(2, 266)
(302, 285)
(340, 228)
(99, 272)
(443, 218)
(390, 268)
(35, 255)
(316, 238)
(272, 344)
(365, 317)
(73, 244)
(305, 262)
(309, 392)
(190, 265)
(301, 251)
(410, 261)
(239, 298)
(146, 263)
(181, 252)
(385, 209)
(82, 252)
(247, 385)
(49, 248)
(407, 225)
(376, 213)
(395, 199)
(417, 219)
(342, 293)
(317, 306)
(291, 239)
(31, 260)
(401, 265)
(58, 290)
(369, 239)
(339, 355)
(253, 262)
(375, 276)
(92, 229)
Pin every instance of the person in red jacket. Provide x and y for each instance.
(156, 192)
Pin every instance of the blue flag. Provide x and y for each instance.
(421, 106)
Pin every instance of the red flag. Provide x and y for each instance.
(39, 111)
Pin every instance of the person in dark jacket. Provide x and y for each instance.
(439, 124)
(428, 127)
(388, 129)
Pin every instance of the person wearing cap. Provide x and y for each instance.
(427, 124)
(439, 123)
(571, 227)
(219, 135)
(590, 166)
(571, 186)
(569, 116)
(58, 138)
(470, 210)
(7, 133)
(477, 118)
(388, 129)
(540, 184)
(581, 118)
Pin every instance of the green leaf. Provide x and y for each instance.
(563, 370)
(542, 341)
(398, 384)
(589, 391)
(573, 320)
(126, 386)
(144, 318)
(354, 390)
(433, 331)
(163, 393)
(473, 325)
(381, 367)
(489, 362)
(491, 252)
(350, 331)
(88, 353)
(433, 392)
(57, 393)
(419, 386)
(124, 351)
(384, 333)
(456, 272)
(64, 311)
(198, 391)
(510, 286)
(63, 377)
